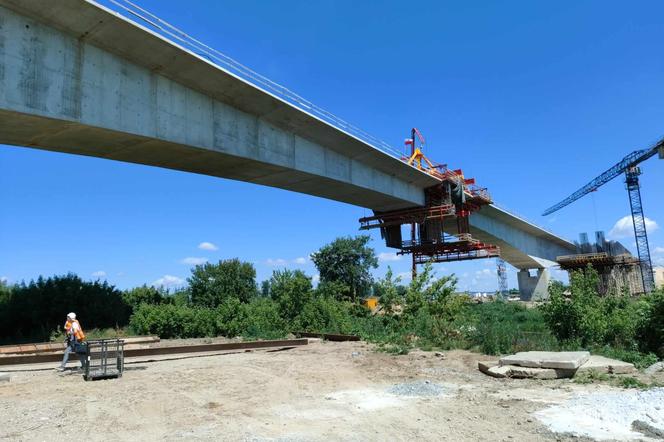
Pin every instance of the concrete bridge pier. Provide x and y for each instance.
(533, 284)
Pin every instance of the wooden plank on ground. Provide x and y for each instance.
(38, 358)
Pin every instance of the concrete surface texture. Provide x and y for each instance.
(547, 359)
(533, 284)
(595, 363)
(608, 415)
(77, 78)
(601, 364)
(494, 369)
(659, 276)
(654, 368)
(4, 377)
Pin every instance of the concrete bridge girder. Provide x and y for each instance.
(77, 78)
(60, 93)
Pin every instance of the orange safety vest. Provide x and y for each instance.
(78, 332)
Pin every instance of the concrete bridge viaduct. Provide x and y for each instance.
(76, 77)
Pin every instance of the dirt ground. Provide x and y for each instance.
(322, 391)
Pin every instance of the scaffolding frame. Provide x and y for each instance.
(455, 197)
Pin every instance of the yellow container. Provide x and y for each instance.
(370, 303)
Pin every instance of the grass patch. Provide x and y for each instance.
(631, 382)
(640, 360)
(590, 377)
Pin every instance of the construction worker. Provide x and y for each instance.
(74, 337)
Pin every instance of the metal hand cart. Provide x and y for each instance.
(104, 359)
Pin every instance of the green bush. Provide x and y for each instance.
(325, 315)
(388, 293)
(211, 284)
(650, 330)
(263, 320)
(172, 321)
(231, 317)
(615, 325)
(587, 320)
(499, 328)
(291, 290)
(257, 319)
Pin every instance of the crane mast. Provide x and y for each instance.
(629, 166)
(640, 234)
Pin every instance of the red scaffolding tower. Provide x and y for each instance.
(453, 198)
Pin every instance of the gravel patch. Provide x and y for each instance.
(419, 389)
(608, 416)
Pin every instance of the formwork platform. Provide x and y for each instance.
(616, 272)
(454, 198)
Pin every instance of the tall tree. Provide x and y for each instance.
(348, 261)
(211, 284)
(33, 311)
(143, 295)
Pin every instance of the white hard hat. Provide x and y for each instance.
(71, 315)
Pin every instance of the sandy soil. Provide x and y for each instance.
(323, 391)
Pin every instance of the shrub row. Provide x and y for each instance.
(259, 318)
(579, 318)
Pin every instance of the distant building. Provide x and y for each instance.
(659, 277)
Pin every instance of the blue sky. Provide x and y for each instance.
(531, 98)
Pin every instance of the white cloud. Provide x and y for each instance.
(194, 260)
(279, 262)
(99, 274)
(315, 279)
(168, 281)
(484, 273)
(4, 279)
(389, 256)
(282, 262)
(207, 246)
(624, 227)
(658, 250)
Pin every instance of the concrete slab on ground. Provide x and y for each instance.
(539, 373)
(654, 368)
(4, 377)
(601, 364)
(485, 366)
(547, 359)
(494, 369)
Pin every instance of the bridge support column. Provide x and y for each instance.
(535, 287)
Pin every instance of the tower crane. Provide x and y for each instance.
(628, 165)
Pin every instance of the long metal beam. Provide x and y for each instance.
(55, 357)
(328, 336)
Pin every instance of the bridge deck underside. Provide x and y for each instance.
(76, 78)
(69, 137)
(522, 244)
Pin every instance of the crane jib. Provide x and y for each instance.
(630, 160)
